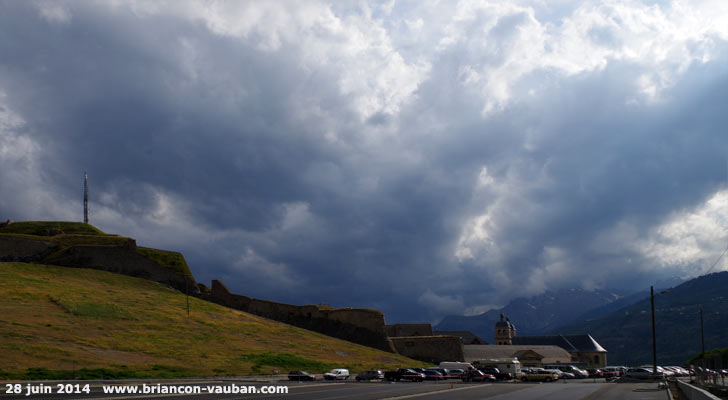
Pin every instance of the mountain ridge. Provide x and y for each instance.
(626, 333)
(538, 314)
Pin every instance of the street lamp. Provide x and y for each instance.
(654, 340)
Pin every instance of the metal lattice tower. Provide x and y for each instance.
(85, 198)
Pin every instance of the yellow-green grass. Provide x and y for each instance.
(43, 228)
(59, 319)
(170, 259)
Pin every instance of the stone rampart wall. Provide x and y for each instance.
(432, 349)
(402, 330)
(24, 250)
(361, 326)
(124, 260)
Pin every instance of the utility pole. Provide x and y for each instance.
(702, 343)
(654, 343)
(702, 333)
(85, 198)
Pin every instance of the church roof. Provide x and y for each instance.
(466, 336)
(570, 343)
(550, 354)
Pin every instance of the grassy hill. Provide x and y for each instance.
(627, 333)
(59, 322)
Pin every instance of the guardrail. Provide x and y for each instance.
(711, 379)
(694, 392)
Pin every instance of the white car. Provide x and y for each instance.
(337, 373)
(679, 371)
(660, 370)
(639, 373)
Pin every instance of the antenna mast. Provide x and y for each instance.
(85, 198)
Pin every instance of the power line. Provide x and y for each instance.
(716, 261)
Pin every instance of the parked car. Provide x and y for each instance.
(578, 372)
(501, 376)
(369, 375)
(404, 374)
(678, 371)
(595, 373)
(639, 373)
(301, 376)
(456, 372)
(560, 373)
(664, 372)
(336, 374)
(463, 366)
(443, 371)
(431, 375)
(613, 372)
(474, 375)
(538, 375)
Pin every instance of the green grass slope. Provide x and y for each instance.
(50, 228)
(59, 322)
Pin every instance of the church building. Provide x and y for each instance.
(583, 349)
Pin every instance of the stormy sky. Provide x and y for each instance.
(419, 157)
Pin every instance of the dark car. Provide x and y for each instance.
(404, 374)
(444, 372)
(301, 376)
(595, 373)
(431, 375)
(501, 376)
(369, 375)
(474, 375)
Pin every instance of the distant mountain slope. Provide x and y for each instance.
(64, 319)
(609, 308)
(627, 333)
(536, 315)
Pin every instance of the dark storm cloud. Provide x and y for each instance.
(420, 161)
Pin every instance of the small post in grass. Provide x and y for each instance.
(187, 295)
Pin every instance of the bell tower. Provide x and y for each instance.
(505, 331)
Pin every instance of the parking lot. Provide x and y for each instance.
(564, 390)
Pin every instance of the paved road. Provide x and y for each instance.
(573, 390)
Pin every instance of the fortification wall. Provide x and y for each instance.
(124, 260)
(402, 330)
(24, 250)
(432, 349)
(361, 326)
(365, 318)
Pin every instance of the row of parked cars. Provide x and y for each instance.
(646, 371)
(485, 374)
(491, 374)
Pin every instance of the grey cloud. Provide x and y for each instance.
(258, 167)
